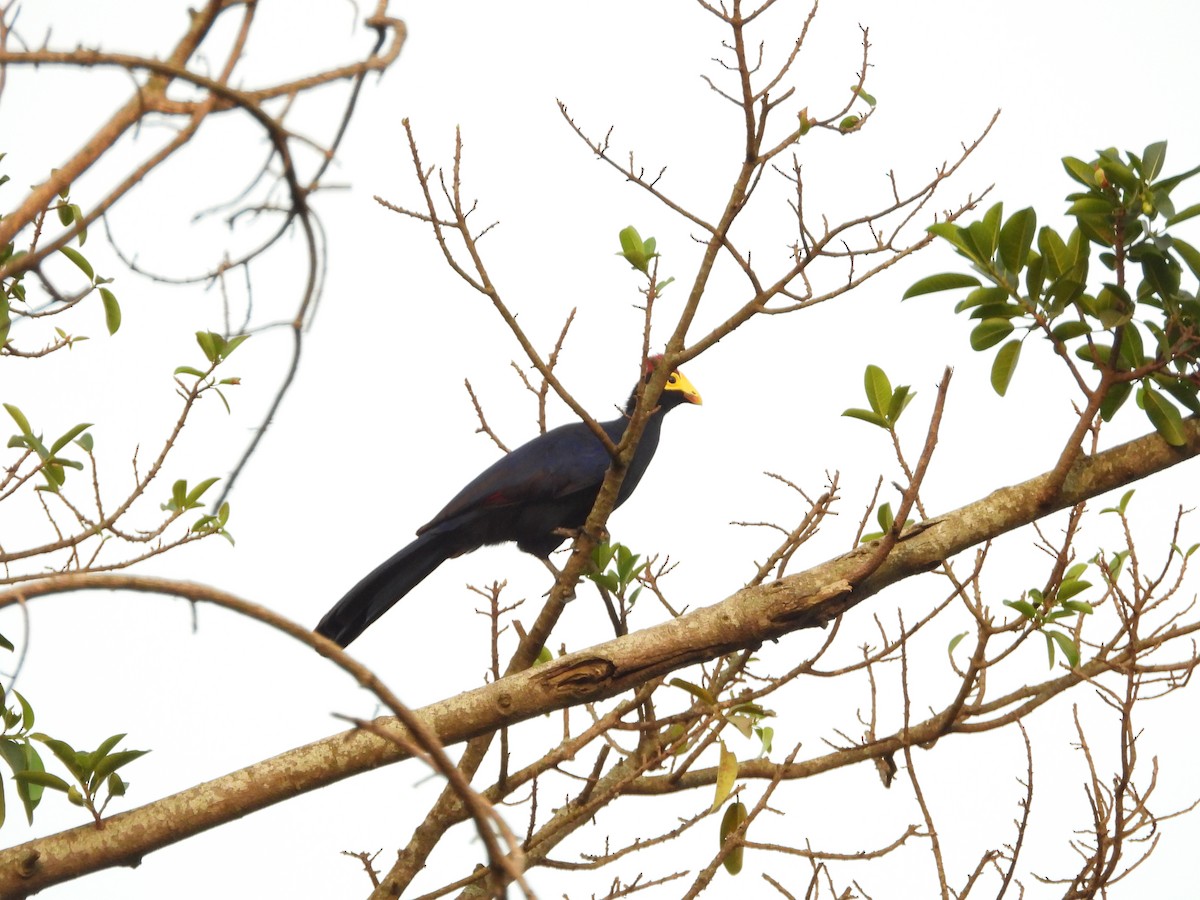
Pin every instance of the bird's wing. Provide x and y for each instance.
(563, 461)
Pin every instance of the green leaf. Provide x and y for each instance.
(990, 332)
(1169, 184)
(188, 370)
(634, 249)
(1163, 415)
(1059, 259)
(727, 769)
(1070, 587)
(1184, 214)
(116, 787)
(955, 235)
(13, 754)
(69, 436)
(982, 297)
(766, 735)
(985, 234)
(1072, 328)
(207, 341)
(734, 816)
(1080, 171)
(946, 281)
(602, 555)
(178, 496)
(1119, 509)
(870, 101)
(1004, 365)
(238, 339)
(878, 388)
(1091, 205)
(999, 311)
(31, 794)
(112, 310)
(19, 418)
(885, 517)
(26, 711)
(1069, 648)
(1024, 607)
(78, 258)
(107, 745)
(1119, 172)
(77, 215)
(1152, 159)
(112, 762)
(1113, 306)
(1132, 351)
(695, 690)
(955, 641)
(867, 416)
(901, 397)
(42, 779)
(1184, 393)
(192, 499)
(66, 755)
(1191, 256)
(1016, 239)
(1115, 398)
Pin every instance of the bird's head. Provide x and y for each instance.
(676, 391)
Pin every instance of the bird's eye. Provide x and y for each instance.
(674, 379)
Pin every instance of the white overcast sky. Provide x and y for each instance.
(378, 431)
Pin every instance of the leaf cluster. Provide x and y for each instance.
(94, 772)
(616, 569)
(640, 253)
(886, 404)
(1041, 611)
(887, 521)
(14, 301)
(1131, 321)
(183, 499)
(52, 466)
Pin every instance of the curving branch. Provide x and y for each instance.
(744, 620)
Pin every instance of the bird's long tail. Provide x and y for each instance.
(379, 591)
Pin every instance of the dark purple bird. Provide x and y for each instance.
(526, 496)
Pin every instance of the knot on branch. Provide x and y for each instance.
(578, 678)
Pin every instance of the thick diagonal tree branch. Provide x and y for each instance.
(745, 619)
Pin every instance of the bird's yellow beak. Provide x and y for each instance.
(677, 382)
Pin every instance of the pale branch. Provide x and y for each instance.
(744, 620)
(217, 95)
(827, 855)
(481, 280)
(450, 810)
(151, 97)
(484, 427)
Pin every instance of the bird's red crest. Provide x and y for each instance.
(651, 364)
